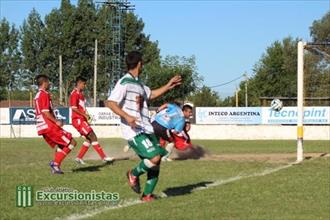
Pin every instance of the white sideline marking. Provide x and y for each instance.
(132, 202)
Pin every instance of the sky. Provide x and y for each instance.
(226, 37)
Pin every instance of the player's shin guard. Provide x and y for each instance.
(84, 148)
(60, 154)
(143, 167)
(98, 149)
(152, 180)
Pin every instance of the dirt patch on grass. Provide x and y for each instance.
(198, 152)
(270, 157)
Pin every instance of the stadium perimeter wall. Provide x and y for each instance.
(215, 132)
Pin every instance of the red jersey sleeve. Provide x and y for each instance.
(74, 100)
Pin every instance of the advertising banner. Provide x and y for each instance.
(288, 115)
(26, 115)
(103, 116)
(224, 115)
(4, 116)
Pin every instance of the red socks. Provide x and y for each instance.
(83, 150)
(98, 149)
(60, 154)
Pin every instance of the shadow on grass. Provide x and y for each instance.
(91, 168)
(195, 152)
(183, 190)
(321, 155)
(95, 168)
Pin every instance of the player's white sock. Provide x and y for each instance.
(169, 148)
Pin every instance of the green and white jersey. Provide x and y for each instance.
(131, 95)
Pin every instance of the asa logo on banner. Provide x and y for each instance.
(26, 115)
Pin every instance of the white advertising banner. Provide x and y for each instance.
(224, 115)
(103, 116)
(288, 115)
(316, 115)
(4, 116)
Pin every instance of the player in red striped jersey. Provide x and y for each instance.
(80, 120)
(49, 127)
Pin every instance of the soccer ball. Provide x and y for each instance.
(276, 105)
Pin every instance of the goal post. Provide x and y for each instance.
(300, 100)
(302, 46)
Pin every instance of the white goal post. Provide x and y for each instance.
(300, 90)
(300, 100)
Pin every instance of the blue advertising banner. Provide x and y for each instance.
(224, 115)
(26, 115)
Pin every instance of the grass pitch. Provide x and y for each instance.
(234, 180)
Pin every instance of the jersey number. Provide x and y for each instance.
(147, 143)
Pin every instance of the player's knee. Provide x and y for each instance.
(73, 142)
(92, 137)
(156, 160)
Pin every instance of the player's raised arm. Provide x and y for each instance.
(162, 107)
(175, 81)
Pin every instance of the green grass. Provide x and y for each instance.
(262, 146)
(298, 192)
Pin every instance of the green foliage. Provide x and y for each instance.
(205, 97)
(10, 58)
(275, 74)
(170, 66)
(33, 43)
(318, 67)
(320, 31)
(70, 31)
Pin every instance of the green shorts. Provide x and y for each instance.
(147, 146)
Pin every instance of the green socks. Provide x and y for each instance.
(143, 167)
(152, 180)
(146, 166)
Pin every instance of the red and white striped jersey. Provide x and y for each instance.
(43, 103)
(78, 101)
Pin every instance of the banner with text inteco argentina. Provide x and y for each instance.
(224, 115)
(288, 115)
(261, 115)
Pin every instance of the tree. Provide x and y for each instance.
(10, 58)
(318, 74)
(320, 31)
(274, 75)
(205, 97)
(70, 31)
(169, 67)
(60, 41)
(104, 35)
(33, 43)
